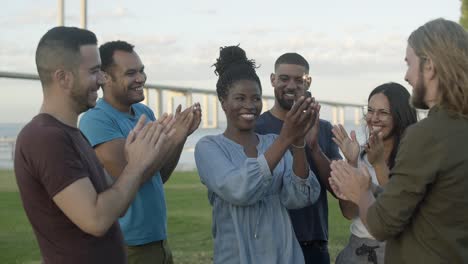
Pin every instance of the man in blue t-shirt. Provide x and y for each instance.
(107, 125)
(290, 81)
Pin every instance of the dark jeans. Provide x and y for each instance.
(315, 252)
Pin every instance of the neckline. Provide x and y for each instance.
(113, 109)
(239, 146)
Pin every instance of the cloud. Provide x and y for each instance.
(205, 11)
(116, 13)
(147, 41)
(256, 31)
(17, 56)
(361, 58)
(30, 17)
(327, 55)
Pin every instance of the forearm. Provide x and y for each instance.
(171, 162)
(382, 172)
(365, 201)
(241, 184)
(117, 168)
(300, 166)
(353, 162)
(348, 209)
(112, 156)
(113, 203)
(276, 151)
(322, 164)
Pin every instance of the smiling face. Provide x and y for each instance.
(125, 81)
(242, 105)
(378, 116)
(288, 84)
(87, 79)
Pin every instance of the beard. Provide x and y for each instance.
(80, 98)
(285, 104)
(419, 92)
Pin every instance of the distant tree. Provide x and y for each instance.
(464, 14)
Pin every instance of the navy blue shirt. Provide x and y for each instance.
(311, 222)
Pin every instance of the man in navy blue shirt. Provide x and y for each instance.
(290, 81)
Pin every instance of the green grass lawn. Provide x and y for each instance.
(189, 222)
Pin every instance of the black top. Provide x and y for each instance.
(311, 222)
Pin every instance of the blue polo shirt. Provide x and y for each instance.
(145, 220)
(311, 222)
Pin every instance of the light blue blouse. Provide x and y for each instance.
(250, 220)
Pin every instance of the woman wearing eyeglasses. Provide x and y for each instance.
(387, 116)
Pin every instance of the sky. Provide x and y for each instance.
(352, 46)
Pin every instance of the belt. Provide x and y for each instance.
(158, 243)
(313, 243)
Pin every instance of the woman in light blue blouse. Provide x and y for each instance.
(252, 179)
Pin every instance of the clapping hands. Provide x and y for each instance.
(148, 142)
(186, 122)
(375, 149)
(299, 120)
(348, 145)
(348, 182)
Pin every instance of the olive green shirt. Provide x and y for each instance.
(423, 211)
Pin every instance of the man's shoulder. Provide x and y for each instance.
(96, 119)
(268, 123)
(324, 122)
(38, 138)
(141, 106)
(97, 112)
(266, 113)
(264, 116)
(100, 125)
(439, 126)
(140, 109)
(42, 128)
(425, 128)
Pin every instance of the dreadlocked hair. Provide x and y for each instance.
(232, 66)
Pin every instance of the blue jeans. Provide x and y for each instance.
(315, 252)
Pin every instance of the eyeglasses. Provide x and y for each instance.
(382, 114)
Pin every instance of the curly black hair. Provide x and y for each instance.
(232, 66)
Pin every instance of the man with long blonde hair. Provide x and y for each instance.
(423, 212)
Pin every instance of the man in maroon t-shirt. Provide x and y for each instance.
(65, 192)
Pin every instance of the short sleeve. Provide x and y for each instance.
(56, 159)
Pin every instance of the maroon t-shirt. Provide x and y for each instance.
(50, 156)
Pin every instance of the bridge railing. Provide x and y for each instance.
(163, 98)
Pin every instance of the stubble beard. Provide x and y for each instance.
(419, 92)
(285, 104)
(81, 98)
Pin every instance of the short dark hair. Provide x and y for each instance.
(292, 58)
(108, 49)
(60, 47)
(232, 66)
(403, 114)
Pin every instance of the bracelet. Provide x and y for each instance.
(299, 147)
